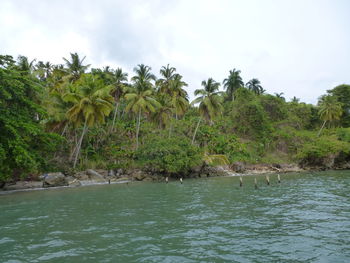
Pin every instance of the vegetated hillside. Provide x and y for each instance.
(72, 116)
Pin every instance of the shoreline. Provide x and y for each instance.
(103, 177)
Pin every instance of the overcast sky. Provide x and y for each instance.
(300, 48)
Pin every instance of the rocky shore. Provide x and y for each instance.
(92, 177)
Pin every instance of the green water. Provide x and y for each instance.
(304, 219)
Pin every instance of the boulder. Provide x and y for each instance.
(95, 176)
(55, 179)
(138, 175)
(238, 167)
(81, 176)
(23, 185)
(73, 182)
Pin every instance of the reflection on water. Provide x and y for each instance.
(306, 218)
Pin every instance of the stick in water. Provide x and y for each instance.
(255, 183)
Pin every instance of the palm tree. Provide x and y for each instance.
(330, 110)
(178, 95)
(75, 67)
(295, 100)
(24, 65)
(209, 102)
(91, 103)
(118, 79)
(255, 86)
(232, 83)
(140, 99)
(168, 74)
(280, 95)
(43, 70)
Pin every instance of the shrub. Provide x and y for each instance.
(169, 155)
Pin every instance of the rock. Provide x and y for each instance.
(111, 173)
(238, 167)
(138, 175)
(104, 173)
(120, 171)
(122, 179)
(23, 185)
(95, 176)
(148, 179)
(73, 182)
(81, 176)
(55, 179)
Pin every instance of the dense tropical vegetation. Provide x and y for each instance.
(71, 116)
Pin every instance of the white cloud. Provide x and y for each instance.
(296, 47)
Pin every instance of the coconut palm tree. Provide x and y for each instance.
(168, 74)
(91, 103)
(280, 95)
(178, 95)
(255, 86)
(232, 83)
(209, 102)
(140, 98)
(75, 66)
(118, 79)
(330, 109)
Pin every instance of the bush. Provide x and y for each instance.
(168, 155)
(322, 151)
(229, 145)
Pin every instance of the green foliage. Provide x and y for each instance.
(319, 150)
(242, 124)
(229, 145)
(342, 93)
(250, 119)
(170, 155)
(24, 146)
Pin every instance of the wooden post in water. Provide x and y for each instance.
(278, 178)
(240, 181)
(267, 180)
(255, 183)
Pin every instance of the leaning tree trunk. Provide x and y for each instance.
(138, 129)
(319, 132)
(79, 144)
(114, 116)
(195, 131)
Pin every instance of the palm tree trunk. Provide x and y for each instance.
(79, 145)
(114, 116)
(138, 129)
(319, 132)
(64, 129)
(195, 131)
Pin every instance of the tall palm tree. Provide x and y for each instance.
(209, 102)
(168, 74)
(232, 83)
(255, 86)
(43, 70)
(140, 99)
(330, 109)
(91, 103)
(118, 79)
(178, 95)
(75, 66)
